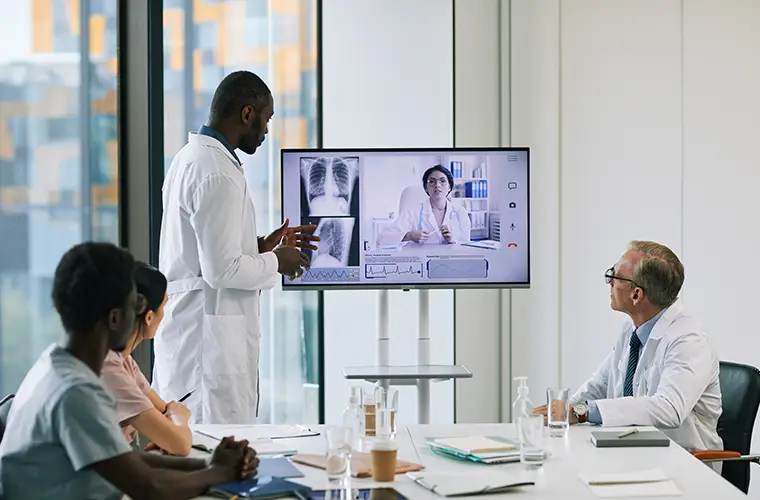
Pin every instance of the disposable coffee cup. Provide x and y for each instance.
(383, 458)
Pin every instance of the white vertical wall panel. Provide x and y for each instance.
(620, 167)
(535, 114)
(387, 82)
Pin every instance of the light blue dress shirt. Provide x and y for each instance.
(212, 132)
(642, 332)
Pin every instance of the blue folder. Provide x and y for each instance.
(262, 488)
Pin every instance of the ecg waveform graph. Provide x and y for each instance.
(372, 271)
(331, 275)
(457, 268)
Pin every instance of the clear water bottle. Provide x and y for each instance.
(354, 418)
(530, 428)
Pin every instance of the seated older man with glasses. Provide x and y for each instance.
(663, 369)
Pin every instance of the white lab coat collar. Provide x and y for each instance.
(427, 209)
(197, 139)
(667, 319)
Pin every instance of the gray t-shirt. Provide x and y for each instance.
(63, 420)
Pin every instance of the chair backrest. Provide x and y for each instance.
(5, 409)
(740, 390)
(411, 197)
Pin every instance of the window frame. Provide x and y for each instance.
(140, 55)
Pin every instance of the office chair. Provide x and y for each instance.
(5, 408)
(740, 388)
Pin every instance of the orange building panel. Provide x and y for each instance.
(97, 34)
(291, 132)
(72, 9)
(42, 12)
(220, 55)
(235, 50)
(197, 70)
(287, 6)
(174, 22)
(113, 65)
(108, 104)
(11, 197)
(7, 149)
(287, 68)
(203, 12)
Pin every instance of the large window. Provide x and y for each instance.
(58, 159)
(204, 40)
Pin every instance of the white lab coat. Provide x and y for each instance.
(420, 216)
(676, 386)
(209, 338)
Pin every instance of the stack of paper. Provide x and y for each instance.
(468, 483)
(637, 483)
(488, 450)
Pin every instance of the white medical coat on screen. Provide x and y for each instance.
(420, 216)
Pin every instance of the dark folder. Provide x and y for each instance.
(611, 439)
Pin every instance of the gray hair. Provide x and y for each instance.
(659, 272)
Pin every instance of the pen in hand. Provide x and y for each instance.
(183, 398)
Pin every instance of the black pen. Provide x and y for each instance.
(180, 399)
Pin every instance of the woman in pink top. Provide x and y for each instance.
(138, 406)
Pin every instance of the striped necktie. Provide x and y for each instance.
(633, 360)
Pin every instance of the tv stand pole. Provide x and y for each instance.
(421, 374)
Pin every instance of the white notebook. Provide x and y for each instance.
(635, 483)
(468, 483)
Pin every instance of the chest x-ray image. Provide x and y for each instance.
(339, 242)
(329, 186)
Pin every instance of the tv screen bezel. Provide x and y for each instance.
(407, 286)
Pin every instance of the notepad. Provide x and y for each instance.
(449, 484)
(475, 444)
(255, 432)
(612, 439)
(635, 483)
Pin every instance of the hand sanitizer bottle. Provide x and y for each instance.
(530, 430)
(353, 417)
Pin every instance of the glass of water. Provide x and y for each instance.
(557, 410)
(339, 439)
(386, 406)
(531, 429)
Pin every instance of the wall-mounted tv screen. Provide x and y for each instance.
(411, 218)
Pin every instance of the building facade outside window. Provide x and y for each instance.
(58, 159)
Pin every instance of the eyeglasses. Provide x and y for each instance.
(609, 275)
(443, 182)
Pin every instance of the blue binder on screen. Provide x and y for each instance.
(263, 488)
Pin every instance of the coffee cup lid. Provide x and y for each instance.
(383, 444)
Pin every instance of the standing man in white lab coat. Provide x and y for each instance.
(216, 264)
(663, 369)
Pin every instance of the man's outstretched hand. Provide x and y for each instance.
(297, 236)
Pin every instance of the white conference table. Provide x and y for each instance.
(557, 478)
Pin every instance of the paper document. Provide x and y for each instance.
(468, 483)
(636, 483)
(255, 432)
(475, 444)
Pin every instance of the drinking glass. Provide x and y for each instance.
(339, 439)
(557, 410)
(386, 406)
(531, 438)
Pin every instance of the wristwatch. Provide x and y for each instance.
(581, 411)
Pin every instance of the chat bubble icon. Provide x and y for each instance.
(512, 185)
